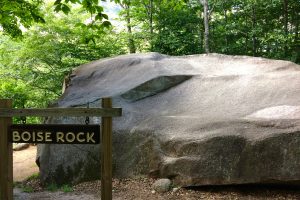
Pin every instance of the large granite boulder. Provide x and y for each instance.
(198, 120)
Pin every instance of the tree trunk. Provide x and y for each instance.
(151, 16)
(286, 19)
(226, 36)
(149, 10)
(296, 45)
(247, 21)
(200, 36)
(151, 23)
(206, 25)
(131, 45)
(254, 39)
(296, 31)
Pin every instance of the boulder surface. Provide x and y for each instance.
(197, 120)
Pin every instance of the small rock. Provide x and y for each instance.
(153, 191)
(162, 185)
(175, 189)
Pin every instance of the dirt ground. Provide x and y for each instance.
(24, 163)
(140, 188)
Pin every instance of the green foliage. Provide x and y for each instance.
(35, 176)
(90, 6)
(251, 27)
(169, 27)
(27, 189)
(66, 188)
(23, 13)
(256, 28)
(179, 34)
(15, 14)
(52, 187)
(267, 28)
(32, 70)
(24, 186)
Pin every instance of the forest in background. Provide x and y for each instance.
(41, 42)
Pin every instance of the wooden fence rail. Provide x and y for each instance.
(57, 112)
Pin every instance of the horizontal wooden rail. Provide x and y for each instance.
(59, 112)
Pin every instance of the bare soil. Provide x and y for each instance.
(24, 163)
(141, 188)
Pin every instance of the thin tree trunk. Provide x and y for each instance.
(296, 31)
(254, 39)
(226, 36)
(151, 23)
(286, 19)
(200, 36)
(131, 45)
(149, 9)
(151, 16)
(296, 38)
(246, 36)
(206, 25)
(226, 21)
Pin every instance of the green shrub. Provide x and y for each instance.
(27, 189)
(67, 188)
(52, 187)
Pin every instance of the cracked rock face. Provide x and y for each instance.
(197, 120)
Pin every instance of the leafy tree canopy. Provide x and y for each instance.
(15, 14)
(32, 71)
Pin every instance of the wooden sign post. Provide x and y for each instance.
(106, 153)
(6, 161)
(58, 134)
